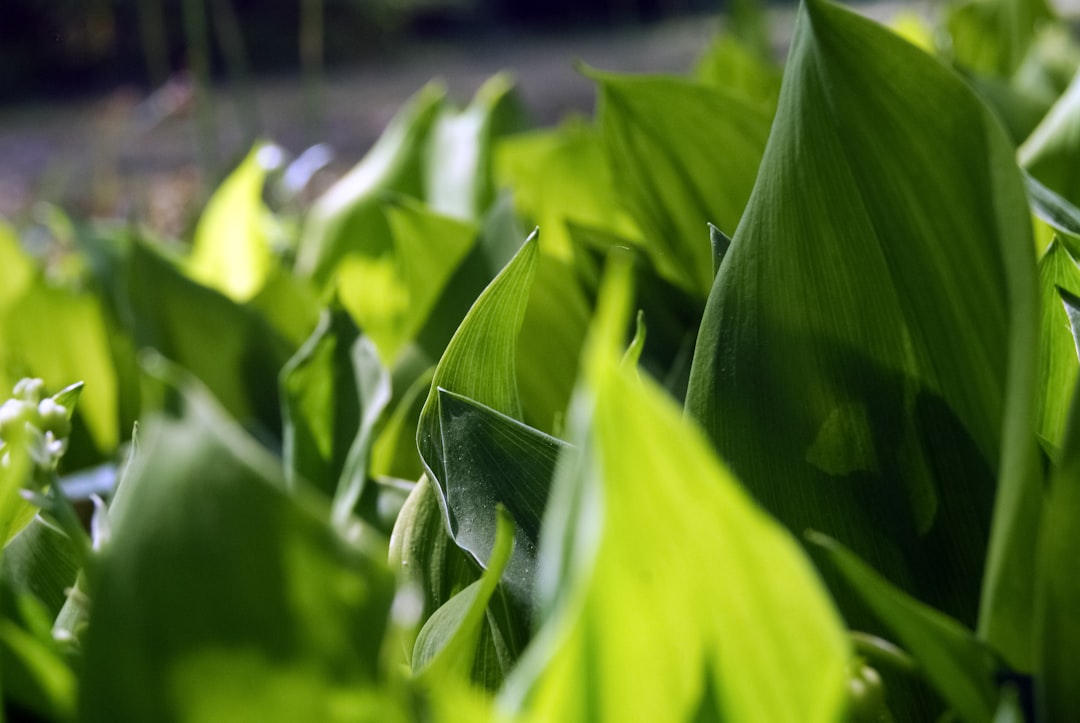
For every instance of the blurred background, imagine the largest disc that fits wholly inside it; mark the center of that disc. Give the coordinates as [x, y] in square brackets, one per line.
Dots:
[137, 107]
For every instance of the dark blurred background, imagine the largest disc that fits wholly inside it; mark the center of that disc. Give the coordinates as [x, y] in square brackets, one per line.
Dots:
[56, 47]
[137, 108]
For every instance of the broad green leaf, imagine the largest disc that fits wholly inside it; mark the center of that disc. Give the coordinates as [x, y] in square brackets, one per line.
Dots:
[61, 335]
[458, 174]
[320, 411]
[495, 460]
[993, 36]
[1052, 152]
[425, 557]
[952, 660]
[1058, 366]
[663, 589]
[550, 342]
[731, 65]
[231, 249]
[347, 218]
[221, 597]
[479, 363]
[289, 304]
[392, 295]
[232, 349]
[673, 314]
[430, 565]
[561, 175]
[866, 360]
[448, 643]
[682, 155]
[41, 561]
[1057, 634]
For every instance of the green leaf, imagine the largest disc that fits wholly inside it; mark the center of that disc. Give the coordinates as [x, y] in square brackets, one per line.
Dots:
[561, 175]
[447, 644]
[1057, 634]
[953, 661]
[347, 218]
[185, 321]
[220, 597]
[1052, 152]
[458, 174]
[16, 269]
[1061, 215]
[993, 36]
[231, 249]
[479, 363]
[35, 673]
[682, 154]
[61, 335]
[392, 295]
[663, 589]
[41, 561]
[289, 304]
[334, 390]
[1058, 365]
[730, 64]
[495, 460]
[549, 345]
[866, 360]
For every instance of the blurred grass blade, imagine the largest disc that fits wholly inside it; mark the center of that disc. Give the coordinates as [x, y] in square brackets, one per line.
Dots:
[952, 660]
[663, 589]
[346, 219]
[231, 249]
[866, 362]
[1057, 594]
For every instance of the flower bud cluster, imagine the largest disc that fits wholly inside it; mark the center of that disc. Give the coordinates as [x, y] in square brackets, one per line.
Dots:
[43, 424]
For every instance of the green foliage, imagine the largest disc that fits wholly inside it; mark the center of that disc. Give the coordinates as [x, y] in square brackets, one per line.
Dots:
[397, 460]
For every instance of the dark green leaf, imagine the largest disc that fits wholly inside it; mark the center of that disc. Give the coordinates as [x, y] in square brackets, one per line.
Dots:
[953, 661]
[186, 322]
[866, 361]
[682, 154]
[1058, 364]
[493, 459]
[1057, 635]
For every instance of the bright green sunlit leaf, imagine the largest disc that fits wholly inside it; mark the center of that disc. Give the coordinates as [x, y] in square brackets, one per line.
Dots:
[1058, 365]
[231, 249]
[664, 590]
